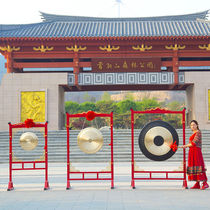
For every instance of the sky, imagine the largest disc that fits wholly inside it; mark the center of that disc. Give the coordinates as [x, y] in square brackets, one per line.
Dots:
[26, 11]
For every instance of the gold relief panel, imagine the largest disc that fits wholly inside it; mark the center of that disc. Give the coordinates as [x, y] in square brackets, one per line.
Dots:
[33, 106]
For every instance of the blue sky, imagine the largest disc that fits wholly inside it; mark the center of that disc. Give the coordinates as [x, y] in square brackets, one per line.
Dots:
[25, 11]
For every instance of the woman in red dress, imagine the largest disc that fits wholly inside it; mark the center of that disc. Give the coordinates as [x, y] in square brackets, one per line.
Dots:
[196, 168]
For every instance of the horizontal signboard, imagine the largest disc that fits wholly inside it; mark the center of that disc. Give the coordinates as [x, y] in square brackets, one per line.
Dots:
[126, 65]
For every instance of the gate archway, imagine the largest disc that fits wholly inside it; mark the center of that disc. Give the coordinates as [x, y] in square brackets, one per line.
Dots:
[66, 53]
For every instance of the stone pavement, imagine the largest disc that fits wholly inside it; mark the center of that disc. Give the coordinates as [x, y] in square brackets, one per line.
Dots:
[97, 195]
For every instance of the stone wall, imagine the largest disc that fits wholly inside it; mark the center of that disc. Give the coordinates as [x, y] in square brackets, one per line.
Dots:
[10, 101]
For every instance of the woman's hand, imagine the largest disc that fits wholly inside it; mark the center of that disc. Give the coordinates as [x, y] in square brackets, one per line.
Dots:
[184, 146]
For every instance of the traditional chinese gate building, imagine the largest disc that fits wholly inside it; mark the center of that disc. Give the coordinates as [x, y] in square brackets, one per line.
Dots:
[70, 53]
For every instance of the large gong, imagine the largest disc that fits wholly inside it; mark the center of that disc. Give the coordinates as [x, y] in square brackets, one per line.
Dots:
[155, 140]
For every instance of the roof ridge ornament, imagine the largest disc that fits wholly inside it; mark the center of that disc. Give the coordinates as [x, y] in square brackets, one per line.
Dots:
[109, 48]
[75, 48]
[205, 46]
[42, 48]
[8, 48]
[185, 17]
[175, 47]
[142, 48]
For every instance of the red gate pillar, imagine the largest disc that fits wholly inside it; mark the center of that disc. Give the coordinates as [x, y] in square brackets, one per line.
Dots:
[176, 67]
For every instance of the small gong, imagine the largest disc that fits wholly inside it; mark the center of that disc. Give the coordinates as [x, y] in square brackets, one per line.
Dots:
[28, 141]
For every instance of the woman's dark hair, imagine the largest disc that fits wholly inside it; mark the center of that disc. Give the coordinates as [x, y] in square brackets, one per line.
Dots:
[195, 123]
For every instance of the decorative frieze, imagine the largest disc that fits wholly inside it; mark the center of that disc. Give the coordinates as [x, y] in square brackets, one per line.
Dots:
[142, 47]
[43, 49]
[109, 48]
[75, 48]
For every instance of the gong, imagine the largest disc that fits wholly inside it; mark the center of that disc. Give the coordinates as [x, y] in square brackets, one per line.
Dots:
[155, 140]
[28, 141]
[90, 140]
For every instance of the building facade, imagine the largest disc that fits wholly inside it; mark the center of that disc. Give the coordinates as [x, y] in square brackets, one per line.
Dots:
[3, 70]
[71, 53]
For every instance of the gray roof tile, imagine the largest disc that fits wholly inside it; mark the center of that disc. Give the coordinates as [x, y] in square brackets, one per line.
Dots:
[106, 27]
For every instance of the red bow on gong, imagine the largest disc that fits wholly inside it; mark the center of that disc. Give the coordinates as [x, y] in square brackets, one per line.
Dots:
[174, 146]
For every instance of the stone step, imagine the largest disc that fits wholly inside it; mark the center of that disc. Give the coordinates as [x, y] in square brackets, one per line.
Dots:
[122, 147]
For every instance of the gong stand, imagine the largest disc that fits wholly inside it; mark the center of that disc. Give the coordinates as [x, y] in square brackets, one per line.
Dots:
[15, 165]
[150, 173]
[90, 115]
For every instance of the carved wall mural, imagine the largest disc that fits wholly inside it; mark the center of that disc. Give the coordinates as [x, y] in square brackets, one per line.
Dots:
[33, 106]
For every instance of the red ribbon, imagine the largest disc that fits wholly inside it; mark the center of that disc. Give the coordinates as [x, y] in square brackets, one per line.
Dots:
[174, 146]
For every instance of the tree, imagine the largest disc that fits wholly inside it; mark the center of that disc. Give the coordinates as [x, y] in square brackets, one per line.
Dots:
[86, 106]
[175, 106]
[93, 99]
[129, 96]
[174, 120]
[126, 105]
[104, 106]
[71, 107]
[147, 103]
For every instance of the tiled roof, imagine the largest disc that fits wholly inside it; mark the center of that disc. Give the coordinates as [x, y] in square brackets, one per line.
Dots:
[54, 26]
[194, 16]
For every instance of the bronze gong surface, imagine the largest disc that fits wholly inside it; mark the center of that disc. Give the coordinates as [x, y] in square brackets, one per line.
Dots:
[90, 140]
[155, 140]
[28, 141]
[156, 149]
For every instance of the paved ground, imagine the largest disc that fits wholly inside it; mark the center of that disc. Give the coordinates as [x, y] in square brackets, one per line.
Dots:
[29, 193]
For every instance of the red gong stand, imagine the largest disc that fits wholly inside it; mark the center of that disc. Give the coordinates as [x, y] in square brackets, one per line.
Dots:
[90, 115]
[22, 165]
[150, 173]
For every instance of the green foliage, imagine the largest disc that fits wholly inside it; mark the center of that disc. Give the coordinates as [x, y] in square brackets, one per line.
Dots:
[121, 112]
[174, 120]
[147, 103]
[126, 105]
[86, 106]
[175, 105]
[104, 106]
[71, 107]
[129, 96]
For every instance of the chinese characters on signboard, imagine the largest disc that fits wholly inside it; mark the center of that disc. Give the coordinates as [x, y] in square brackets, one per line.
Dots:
[126, 65]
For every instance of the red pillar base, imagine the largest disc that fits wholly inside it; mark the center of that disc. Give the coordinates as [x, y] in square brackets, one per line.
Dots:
[68, 185]
[112, 184]
[46, 185]
[133, 184]
[185, 184]
[10, 186]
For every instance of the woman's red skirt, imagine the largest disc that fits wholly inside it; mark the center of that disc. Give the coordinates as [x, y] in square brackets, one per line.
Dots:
[196, 169]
